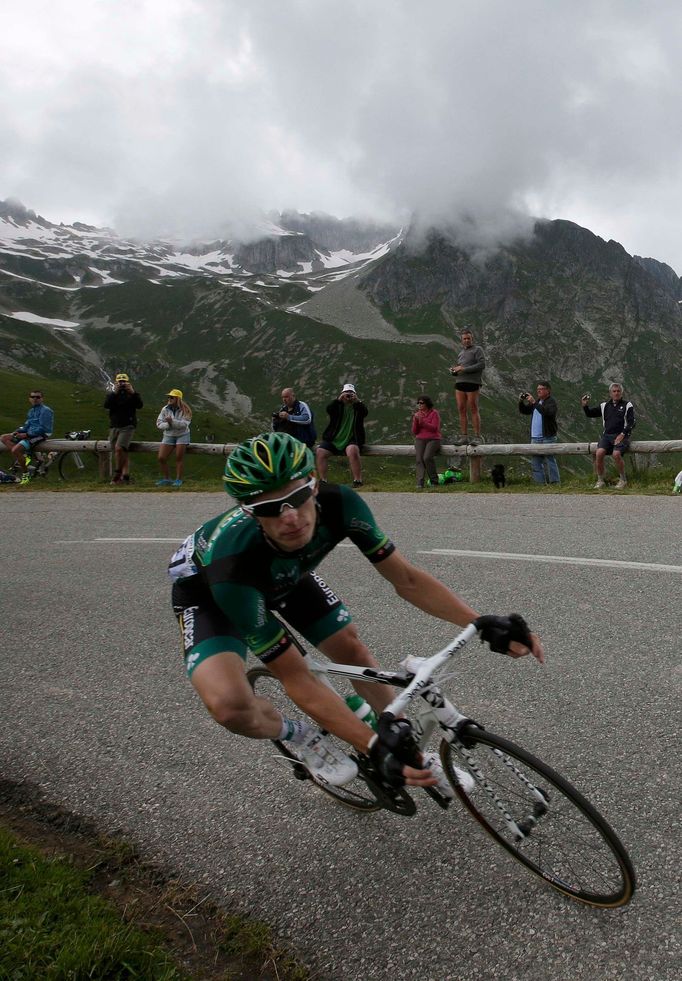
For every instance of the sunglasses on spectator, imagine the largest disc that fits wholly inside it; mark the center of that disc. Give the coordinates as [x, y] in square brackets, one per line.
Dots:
[35, 396]
[273, 509]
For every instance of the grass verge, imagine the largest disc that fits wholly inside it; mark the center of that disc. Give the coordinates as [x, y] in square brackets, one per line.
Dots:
[380, 474]
[75, 904]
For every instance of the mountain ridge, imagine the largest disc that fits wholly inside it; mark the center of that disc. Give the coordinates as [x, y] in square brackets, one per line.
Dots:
[320, 301]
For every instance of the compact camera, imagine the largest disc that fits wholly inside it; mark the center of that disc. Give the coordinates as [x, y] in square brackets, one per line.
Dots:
[523, 396]
[587, 397]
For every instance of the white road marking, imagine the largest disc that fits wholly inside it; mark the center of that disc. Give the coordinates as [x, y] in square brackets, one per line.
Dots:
[558, 559]
[92, 541]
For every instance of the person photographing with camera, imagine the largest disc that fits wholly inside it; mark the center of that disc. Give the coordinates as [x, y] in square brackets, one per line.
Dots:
[618, 418]
[543, 429]
[344, 434]
[122, 405]
[295, 417]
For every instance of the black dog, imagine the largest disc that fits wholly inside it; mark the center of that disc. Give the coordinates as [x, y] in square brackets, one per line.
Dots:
[497, 473]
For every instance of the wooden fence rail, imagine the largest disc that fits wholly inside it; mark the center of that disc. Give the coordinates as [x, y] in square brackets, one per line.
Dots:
[474, 453]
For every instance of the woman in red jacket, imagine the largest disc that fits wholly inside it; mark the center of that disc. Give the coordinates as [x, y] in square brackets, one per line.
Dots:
[427, 437]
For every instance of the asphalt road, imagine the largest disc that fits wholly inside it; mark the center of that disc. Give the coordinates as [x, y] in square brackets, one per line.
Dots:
[94, 709]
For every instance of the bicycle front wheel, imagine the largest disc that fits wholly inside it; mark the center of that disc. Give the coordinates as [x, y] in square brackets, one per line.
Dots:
[79, 466]
[540, 819]
[356, 794]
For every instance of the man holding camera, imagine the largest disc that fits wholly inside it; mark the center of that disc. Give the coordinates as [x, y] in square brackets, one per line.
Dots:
[294, 417]
[344, 434]
[122, 405]
[618, 417]
[543, 429]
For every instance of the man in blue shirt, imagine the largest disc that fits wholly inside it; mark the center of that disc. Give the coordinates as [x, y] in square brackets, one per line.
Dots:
[295, 417]
[38, 426]
[543, 429]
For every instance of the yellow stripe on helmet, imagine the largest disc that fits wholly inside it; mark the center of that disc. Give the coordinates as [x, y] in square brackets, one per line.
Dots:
[255, 448]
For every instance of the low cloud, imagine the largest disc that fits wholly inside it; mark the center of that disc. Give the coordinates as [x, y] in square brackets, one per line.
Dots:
[179, 118]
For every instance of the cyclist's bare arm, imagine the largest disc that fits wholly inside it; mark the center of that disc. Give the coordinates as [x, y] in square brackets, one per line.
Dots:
[323, 705]
[428, 594]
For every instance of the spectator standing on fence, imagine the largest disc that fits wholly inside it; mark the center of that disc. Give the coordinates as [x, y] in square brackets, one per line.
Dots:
[344, 434]
[295, 417]
[122, 405]
[174, 421]
[468, 373]
[427, 437]
[543, 429]
[38, 426]
[618, 418]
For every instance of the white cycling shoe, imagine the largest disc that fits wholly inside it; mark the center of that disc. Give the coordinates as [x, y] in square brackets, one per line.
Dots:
[325, 761]
[444, 787]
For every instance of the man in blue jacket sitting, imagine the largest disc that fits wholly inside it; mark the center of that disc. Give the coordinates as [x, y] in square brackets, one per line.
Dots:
[38, 426]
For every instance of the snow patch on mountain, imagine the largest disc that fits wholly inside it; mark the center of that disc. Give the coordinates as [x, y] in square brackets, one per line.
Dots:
[32, 318]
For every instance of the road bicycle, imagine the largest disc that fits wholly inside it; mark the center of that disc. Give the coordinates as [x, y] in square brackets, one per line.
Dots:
[72, 465]
[531, 811]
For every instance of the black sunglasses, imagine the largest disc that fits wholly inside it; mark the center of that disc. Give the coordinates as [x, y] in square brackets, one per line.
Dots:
[273, 509]
[35, 396]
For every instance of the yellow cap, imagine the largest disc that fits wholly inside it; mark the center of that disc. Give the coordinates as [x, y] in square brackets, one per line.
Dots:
[175, 393]
[122, 377]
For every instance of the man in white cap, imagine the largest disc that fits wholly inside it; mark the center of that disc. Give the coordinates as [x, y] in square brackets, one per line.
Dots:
[344, 434]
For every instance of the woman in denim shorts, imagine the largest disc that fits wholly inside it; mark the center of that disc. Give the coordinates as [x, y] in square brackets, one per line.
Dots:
[174, 421]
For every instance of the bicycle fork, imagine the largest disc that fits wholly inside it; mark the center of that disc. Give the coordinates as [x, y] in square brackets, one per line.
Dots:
[451, 721]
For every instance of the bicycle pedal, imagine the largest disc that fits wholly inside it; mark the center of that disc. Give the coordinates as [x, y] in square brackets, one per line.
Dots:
[300, 771]
[442, 801]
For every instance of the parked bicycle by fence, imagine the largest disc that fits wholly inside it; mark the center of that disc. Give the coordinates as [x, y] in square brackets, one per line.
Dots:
[531, 811]
[72, 465]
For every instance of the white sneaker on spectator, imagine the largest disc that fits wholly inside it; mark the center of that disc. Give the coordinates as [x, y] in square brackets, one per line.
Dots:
[325, 761]
[600, 483]
[622, 484]
[444, 787]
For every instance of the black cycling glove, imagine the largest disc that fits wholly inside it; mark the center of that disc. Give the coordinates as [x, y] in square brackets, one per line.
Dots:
[500, 632]
[393, 747]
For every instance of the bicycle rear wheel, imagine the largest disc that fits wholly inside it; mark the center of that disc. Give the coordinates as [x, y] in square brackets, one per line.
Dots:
[356, 794]
[540, 819]
[79, 465]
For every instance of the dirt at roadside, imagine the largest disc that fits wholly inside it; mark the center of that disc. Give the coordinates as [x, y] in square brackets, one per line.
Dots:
[206, 941]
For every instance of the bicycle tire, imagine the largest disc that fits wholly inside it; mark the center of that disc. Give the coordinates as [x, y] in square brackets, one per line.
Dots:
[356, 795]
[79, 465]
[571, 847]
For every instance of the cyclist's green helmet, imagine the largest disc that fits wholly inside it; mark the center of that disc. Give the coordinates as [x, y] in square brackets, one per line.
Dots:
[265, 463]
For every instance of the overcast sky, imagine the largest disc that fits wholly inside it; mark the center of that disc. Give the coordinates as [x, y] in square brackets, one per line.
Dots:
[160, 116]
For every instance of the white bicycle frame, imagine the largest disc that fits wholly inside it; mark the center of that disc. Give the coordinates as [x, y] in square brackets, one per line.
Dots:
[434, 710]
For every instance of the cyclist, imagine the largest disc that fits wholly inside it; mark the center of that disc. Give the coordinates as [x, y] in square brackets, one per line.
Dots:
[38, 426]
[259, 557]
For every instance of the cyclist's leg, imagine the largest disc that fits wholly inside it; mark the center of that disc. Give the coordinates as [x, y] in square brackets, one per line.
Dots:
[19, 453]
[215, 658]
[345, 647]
[318, 700]
[316, 611]
[220, 682]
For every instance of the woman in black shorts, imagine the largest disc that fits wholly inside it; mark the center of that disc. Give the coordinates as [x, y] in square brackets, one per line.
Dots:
[469, 374]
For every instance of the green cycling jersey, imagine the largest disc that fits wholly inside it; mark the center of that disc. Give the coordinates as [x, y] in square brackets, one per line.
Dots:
[247, 575]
